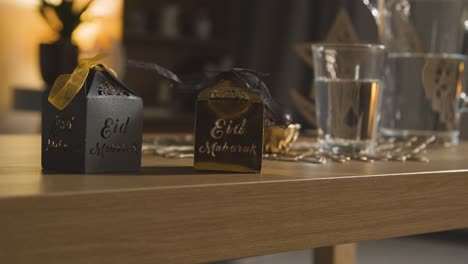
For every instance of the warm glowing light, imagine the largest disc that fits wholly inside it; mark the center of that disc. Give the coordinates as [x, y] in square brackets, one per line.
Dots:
[373, 115]
[24, 3]
[461, 73]
[86, 35]
[19, 56]
[105, 8]
[101, 32]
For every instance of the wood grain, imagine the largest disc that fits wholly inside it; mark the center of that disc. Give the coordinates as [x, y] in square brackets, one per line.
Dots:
[339, 254]
[171, 214]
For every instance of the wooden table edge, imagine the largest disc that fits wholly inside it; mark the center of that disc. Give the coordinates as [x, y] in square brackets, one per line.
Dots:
[209, 222]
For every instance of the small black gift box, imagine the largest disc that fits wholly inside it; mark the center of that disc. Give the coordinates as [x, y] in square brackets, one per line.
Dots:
[98, 130]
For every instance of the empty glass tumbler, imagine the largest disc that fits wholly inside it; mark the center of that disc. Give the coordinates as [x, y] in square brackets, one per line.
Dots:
[348, 86]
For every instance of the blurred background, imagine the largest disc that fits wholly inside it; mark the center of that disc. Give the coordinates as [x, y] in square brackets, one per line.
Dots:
[187, 37]
[24, 31]
[191, 37]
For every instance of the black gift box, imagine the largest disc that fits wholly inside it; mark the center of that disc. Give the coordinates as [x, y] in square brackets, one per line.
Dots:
[99, 131]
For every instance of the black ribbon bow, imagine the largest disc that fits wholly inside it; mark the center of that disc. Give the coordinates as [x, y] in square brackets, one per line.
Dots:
[275, 114]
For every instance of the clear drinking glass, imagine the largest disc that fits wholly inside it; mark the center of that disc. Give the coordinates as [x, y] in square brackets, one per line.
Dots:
[348, 86]
[424, 92]
[421, 26]
[424, 96]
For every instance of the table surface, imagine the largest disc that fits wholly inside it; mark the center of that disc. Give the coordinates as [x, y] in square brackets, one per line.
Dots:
[169, 213]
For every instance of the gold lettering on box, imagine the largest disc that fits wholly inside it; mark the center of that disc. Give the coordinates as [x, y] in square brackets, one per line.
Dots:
[60, 128]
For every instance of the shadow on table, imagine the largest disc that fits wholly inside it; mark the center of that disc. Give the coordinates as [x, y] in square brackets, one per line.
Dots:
[145, 171]
[168, 170]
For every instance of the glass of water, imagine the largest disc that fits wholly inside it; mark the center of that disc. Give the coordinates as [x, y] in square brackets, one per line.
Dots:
[426, 42]
[424, 96]
[348, 86]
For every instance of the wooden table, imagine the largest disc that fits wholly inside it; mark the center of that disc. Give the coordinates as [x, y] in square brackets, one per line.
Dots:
[169, 213]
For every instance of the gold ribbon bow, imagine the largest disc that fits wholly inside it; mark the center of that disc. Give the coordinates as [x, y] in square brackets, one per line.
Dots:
[67, 86]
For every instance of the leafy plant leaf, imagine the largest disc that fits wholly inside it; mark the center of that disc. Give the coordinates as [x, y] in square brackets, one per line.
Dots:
[68, 18]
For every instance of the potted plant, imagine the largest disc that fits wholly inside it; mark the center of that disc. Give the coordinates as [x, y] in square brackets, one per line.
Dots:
[61, 56]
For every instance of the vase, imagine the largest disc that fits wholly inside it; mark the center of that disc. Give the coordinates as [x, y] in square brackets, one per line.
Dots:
[60, 57]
